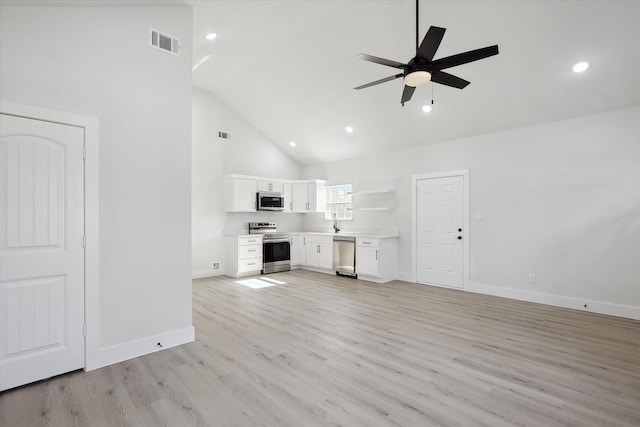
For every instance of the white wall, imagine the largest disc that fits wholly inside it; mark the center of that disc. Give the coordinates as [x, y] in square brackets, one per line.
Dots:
[95, 61]
[248, 152]
[560, 200]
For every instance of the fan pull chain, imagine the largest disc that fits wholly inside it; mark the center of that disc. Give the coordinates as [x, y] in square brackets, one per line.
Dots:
[431, 93]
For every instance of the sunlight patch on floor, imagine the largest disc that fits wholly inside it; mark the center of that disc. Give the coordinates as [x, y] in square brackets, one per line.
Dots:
[264, 282]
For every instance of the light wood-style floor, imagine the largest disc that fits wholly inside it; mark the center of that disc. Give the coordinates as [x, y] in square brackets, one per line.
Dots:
[325, 350]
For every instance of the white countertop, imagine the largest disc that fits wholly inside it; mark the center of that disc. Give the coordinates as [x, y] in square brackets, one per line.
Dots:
[356, 234]
[361, 234]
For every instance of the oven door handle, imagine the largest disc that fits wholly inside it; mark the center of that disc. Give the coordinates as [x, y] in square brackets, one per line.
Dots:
[264, 242]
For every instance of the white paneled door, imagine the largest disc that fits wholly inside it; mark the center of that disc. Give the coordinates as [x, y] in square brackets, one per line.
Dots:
[41, 250]
[439, 234]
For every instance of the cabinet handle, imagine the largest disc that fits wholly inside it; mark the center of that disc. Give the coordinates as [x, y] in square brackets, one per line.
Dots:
[318, 248]
[304, 241]
[251, 263]
[376, 255]
[251, 250]
[366, 243]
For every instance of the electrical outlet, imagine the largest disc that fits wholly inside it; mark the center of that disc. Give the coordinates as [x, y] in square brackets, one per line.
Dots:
[215, 266]
[532, 278]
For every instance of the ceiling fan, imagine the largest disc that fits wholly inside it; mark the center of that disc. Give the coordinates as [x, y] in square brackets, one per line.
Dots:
[422, 68]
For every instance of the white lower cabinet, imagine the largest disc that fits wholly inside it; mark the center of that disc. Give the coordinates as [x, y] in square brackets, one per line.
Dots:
[295, 249]
[318, 251]
[376, 259]
[244, 255]
[367, 263]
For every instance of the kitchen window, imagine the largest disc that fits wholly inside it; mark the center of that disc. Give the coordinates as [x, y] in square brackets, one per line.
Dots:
[338, 202]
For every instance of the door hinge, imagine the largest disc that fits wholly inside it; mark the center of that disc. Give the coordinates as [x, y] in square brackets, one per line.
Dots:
[84, 241]
[84, 329]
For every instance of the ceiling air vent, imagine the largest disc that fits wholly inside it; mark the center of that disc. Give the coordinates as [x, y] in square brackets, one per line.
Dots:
[224, 135]
[164, 42]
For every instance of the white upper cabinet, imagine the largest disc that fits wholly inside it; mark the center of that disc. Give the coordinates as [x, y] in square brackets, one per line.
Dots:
[287, 189]
[270, 185]
[240, 194]
[308, 197]
[299, 196]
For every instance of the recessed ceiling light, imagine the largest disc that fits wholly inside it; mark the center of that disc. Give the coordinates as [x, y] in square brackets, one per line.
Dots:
[349, 129]
[427, 108]
[211, 36]
[580, 67]
[293, 144]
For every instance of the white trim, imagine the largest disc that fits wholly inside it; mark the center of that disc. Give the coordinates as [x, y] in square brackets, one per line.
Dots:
[200, 274]
[601, 307]
[91, 126]
[467, 230]
[128, 350]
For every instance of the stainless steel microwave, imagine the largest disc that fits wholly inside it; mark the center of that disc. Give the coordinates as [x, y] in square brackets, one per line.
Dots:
[270, 201]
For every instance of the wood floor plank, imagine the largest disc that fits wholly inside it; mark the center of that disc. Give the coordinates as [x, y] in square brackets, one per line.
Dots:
[322, 350]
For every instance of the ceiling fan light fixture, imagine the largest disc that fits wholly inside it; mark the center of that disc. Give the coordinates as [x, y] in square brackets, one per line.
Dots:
[417, 78]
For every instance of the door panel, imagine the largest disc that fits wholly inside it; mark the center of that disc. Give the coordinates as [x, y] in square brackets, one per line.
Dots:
[440, 213]
[41, 250]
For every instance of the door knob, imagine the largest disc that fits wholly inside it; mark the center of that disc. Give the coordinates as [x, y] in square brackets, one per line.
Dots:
[459, 230]
[459, 237]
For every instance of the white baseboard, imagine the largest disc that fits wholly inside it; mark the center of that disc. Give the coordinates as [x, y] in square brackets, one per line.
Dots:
[199, 274]
[125, 351]
[611, 309]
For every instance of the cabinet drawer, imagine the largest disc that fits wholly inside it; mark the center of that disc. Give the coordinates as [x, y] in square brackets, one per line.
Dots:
[249, 240]
[250, 251]
[249, 264]
[368, 243]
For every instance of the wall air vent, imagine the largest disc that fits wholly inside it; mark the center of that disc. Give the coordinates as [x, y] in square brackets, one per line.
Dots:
[164, 42]
[224, 135]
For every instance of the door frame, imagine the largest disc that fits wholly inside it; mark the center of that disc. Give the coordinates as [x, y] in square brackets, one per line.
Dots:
[91, 129]
[464, 173]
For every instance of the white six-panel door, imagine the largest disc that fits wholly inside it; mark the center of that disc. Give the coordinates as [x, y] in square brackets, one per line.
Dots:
[41, 250]
[439, 222]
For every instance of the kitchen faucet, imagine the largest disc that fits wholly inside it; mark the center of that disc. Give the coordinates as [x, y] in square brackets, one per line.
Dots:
[335, 223]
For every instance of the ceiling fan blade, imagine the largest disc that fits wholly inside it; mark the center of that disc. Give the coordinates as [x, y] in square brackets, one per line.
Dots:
[449, 80]
[387, 62]
[407, 93]
[431, 42]
[377, 82]
[463, 58]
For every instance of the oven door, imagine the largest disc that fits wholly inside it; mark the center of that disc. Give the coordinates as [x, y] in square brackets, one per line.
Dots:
[276, 256]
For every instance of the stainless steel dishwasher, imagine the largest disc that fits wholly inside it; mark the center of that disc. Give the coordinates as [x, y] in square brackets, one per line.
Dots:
[344, 255]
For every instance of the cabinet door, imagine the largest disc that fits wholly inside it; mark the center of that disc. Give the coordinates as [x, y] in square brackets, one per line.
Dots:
[287, 191]
[311, 197]
[302, 249]
[244, 195]
[312, 251]
[270, 186]
[295, 243]
[299, 197]
[325, 255]
[367, 261]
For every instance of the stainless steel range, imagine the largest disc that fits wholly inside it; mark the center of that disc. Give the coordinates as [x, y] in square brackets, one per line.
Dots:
[276, 247]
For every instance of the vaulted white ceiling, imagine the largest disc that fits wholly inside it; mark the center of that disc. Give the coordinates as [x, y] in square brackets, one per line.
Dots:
[288, 67]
